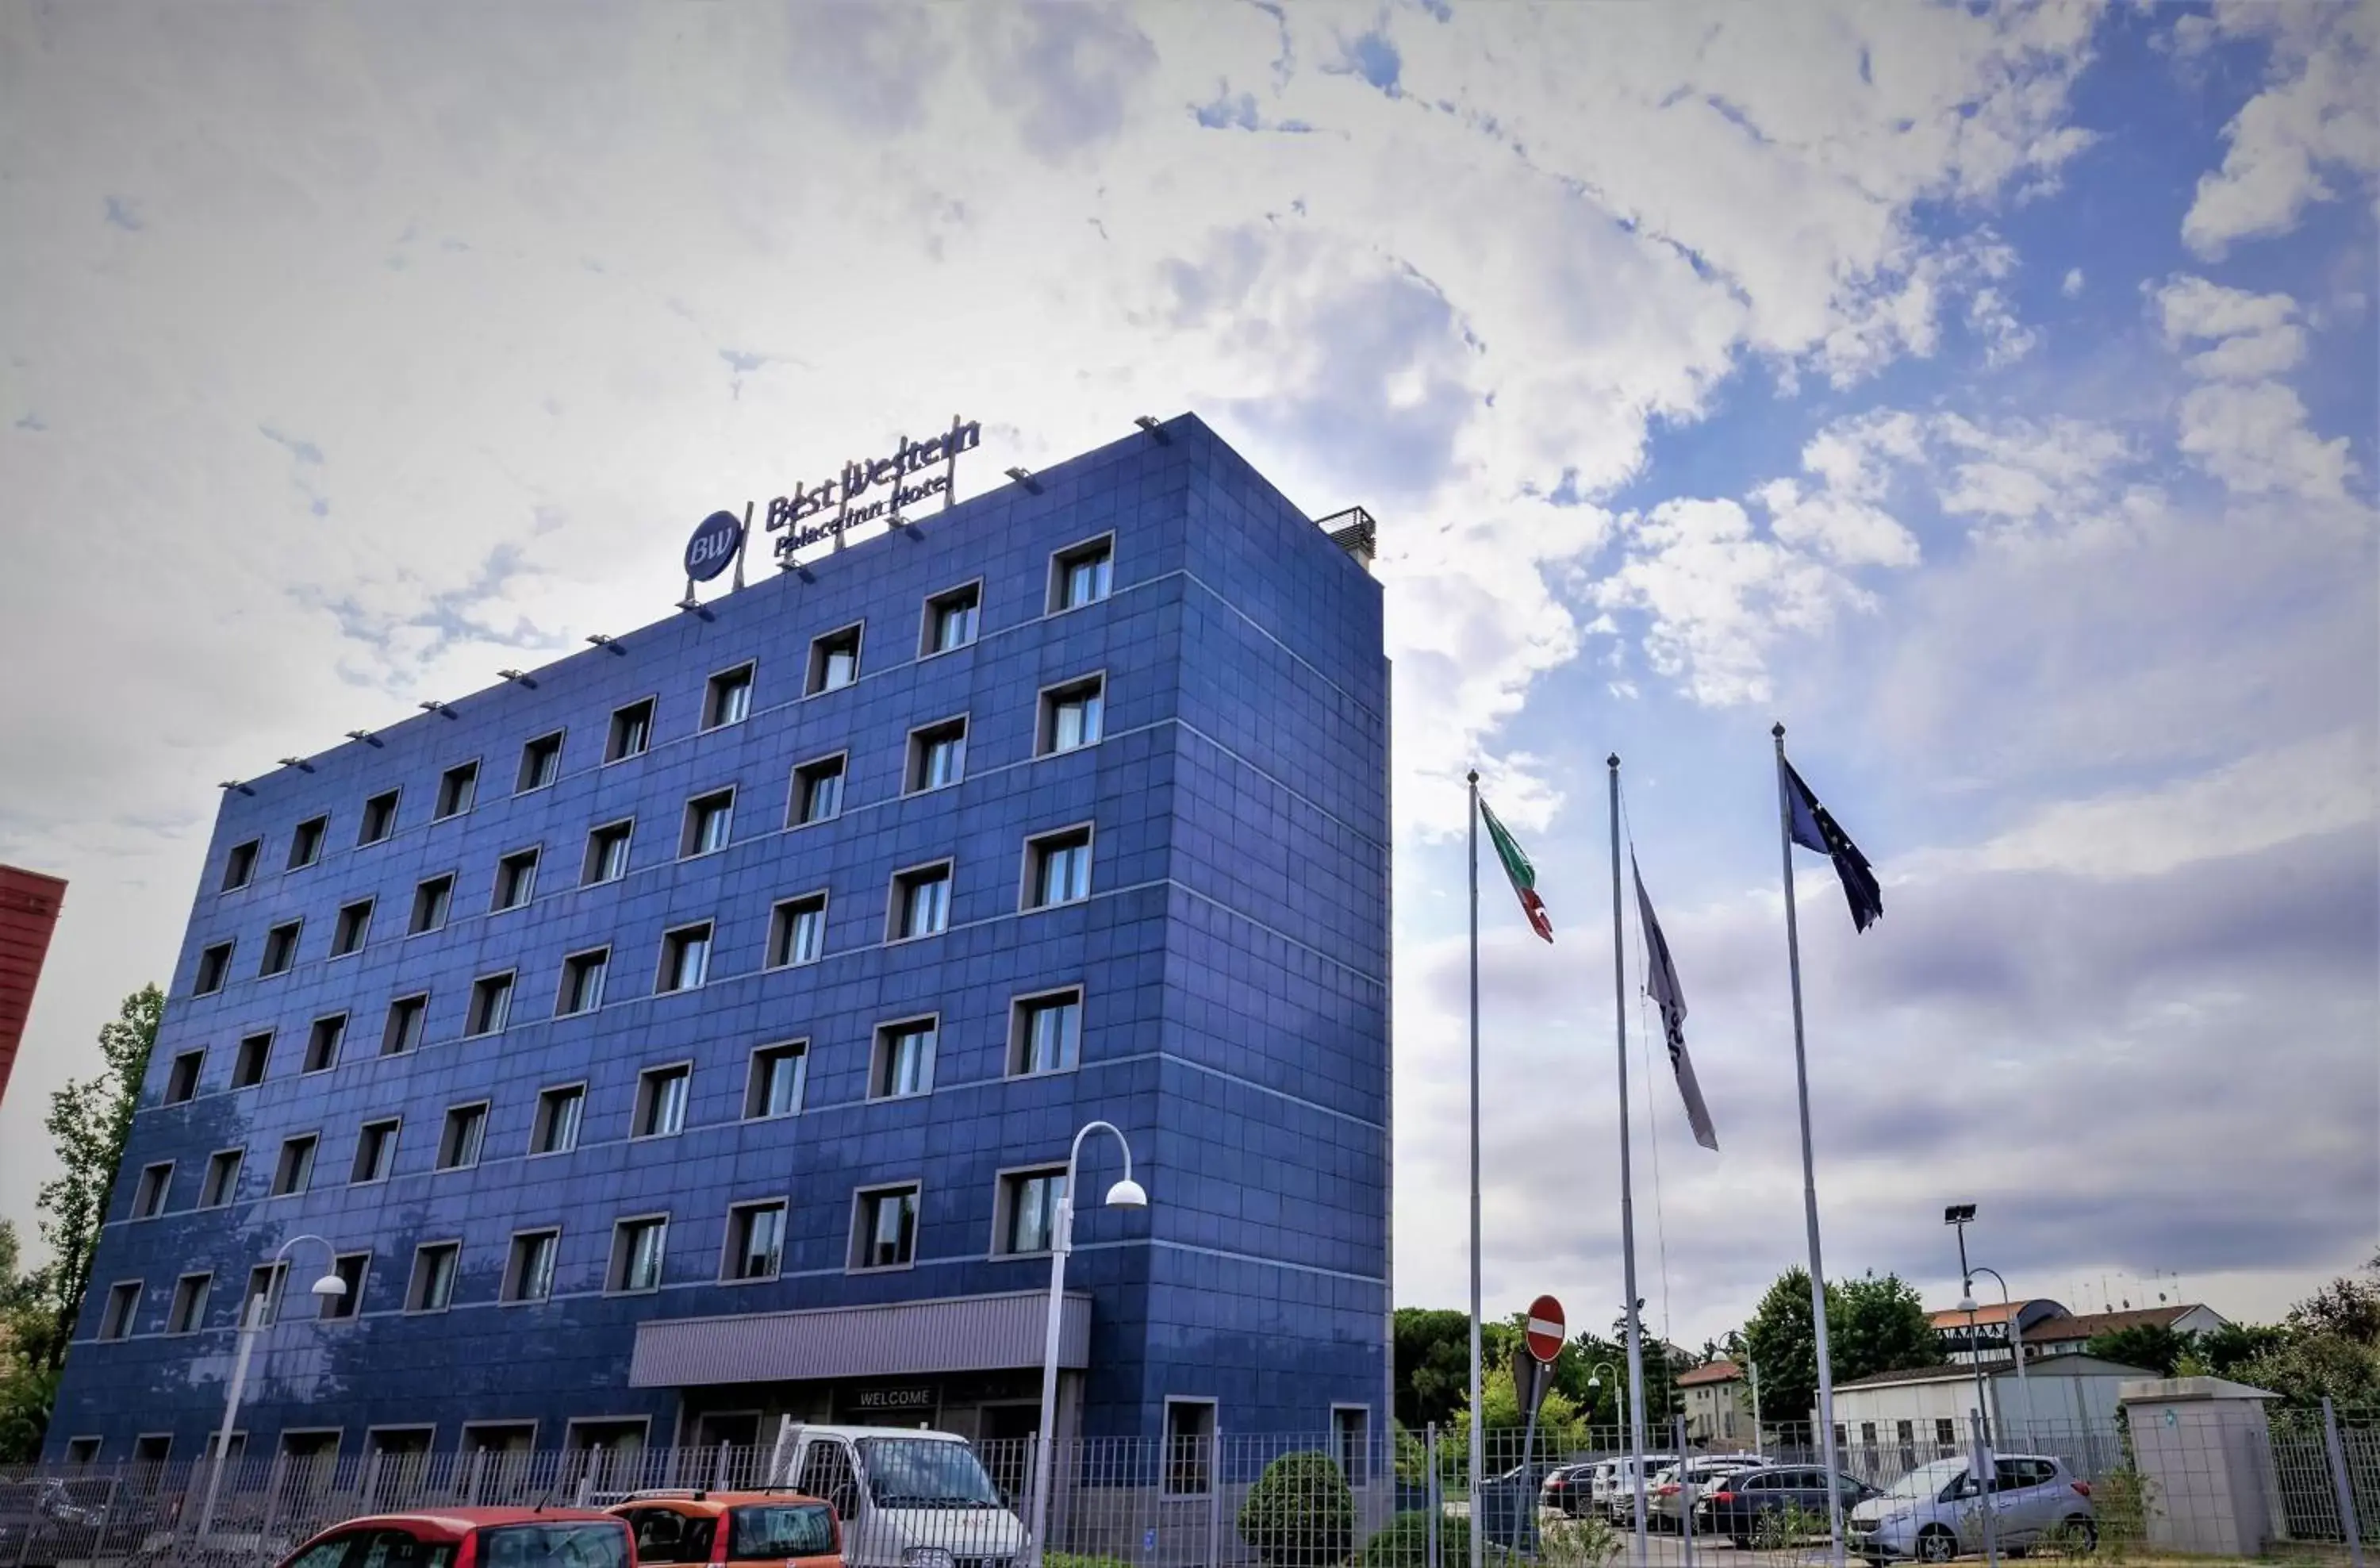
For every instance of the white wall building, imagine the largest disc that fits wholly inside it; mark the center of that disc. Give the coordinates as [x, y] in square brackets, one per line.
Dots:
[1891, 1422]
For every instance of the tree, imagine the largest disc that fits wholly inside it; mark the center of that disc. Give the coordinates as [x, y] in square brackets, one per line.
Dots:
[2329, 1345]
[29, 1384]
[1873, 1325]
[1433, 1356]
[1300, 1513]
[2151, 1346]
[88, 1120]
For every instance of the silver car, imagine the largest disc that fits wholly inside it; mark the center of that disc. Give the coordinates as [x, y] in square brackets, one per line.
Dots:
[1670, 1494]
[1615, 1485]
[1936, 1511]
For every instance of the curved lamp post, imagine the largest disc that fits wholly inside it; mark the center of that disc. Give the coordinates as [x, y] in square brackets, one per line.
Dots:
[2016, 1347]
[1618, 1389]
[1126, 1193]
[330, 1287]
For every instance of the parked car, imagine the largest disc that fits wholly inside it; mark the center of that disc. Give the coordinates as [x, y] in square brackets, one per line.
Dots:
[472, 1537]
[1568, 1490]
[1736, 1504]
[1936, 1511]
[1675, 1489]
[903, 1498]
[1616, 1490]
[744, 1529]
[50, 1519]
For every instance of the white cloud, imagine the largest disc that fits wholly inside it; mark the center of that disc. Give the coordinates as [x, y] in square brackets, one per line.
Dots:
[2255, 438]
[2317, 117]
[2255, 335]
[2072, 285]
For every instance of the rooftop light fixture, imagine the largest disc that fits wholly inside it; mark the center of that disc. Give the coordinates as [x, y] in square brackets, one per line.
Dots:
[235, 783]
[1025, 477]
[518, 678]
[298, 762]
[434, 706]
[365, 736]
[1149, 423]
[606, 644]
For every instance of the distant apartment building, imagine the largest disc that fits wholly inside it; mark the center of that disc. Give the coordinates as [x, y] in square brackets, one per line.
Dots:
[30, 903]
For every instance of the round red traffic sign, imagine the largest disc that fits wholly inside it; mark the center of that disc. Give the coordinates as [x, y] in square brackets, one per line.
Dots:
[1547, 1330]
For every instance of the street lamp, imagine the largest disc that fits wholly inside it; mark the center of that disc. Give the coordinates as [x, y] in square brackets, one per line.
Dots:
[1960, 1216]
[1752, 1375]
[1126, 1193]
[2016, 1347]
[330, 1287]
[1619, 1390]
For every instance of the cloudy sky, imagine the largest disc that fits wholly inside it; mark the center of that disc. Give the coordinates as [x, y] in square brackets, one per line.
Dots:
[1990, 395]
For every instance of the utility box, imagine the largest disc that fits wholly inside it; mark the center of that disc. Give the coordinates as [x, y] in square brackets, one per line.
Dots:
[2202, 1449]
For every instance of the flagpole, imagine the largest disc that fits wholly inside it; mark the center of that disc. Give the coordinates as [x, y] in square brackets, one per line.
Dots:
[1479, 1541]
[1809, 1169]
[1627, 1192]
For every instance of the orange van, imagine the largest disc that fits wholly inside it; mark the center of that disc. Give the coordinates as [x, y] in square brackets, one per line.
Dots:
[739, 1529]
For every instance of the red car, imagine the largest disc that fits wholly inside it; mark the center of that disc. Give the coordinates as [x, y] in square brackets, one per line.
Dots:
[472, 1537]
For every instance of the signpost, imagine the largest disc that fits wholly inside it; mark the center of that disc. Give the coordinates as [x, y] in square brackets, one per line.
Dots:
[1547, 1330]
[1543, 1335]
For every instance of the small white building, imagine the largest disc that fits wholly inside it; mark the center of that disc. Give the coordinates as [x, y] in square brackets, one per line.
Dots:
[1718, 1405]
[1888, 1423]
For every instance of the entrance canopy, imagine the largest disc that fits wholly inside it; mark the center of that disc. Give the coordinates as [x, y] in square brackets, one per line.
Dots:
[968, 1333]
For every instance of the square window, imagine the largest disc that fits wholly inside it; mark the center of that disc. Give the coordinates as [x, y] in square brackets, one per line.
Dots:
[1189, 1447]
[708, 819]
[1073, 716]
[149, 1197]
[215, 968]
[1058, 868]
[349, 1267]
[306, 842]
[834, 661]
[937, 754]
[555, 1131]
[921, 901]
[458, 1142]
[905, 1059]
[261, 1303]
[636, 1249]
[182, 1080]
[797, 930]
[756, 1240]
[780, 1073]
[239, 866]
[432, 899]
[818, 792]
[353, 926]
[492, 1004]
[458, 787]
[432, 1288]
[631, 732]
[83, 1451]
[248, 1063]
[122, 1303]
[661, 1100]
[1081, 575]
[951, 620]
[375, 1151]
[885, 1232]
[222, 1181]
[189, 1307]
[607, 855]
[279, 949]
[380, 819]
[582, 982]
[407, 1016]
[516, 880]
[293, 1171]
[540, 763]
[323, 1042]
[528, 1272]
[728, 698]
[685, 958]
[1046, 1033]
[1028, 1210]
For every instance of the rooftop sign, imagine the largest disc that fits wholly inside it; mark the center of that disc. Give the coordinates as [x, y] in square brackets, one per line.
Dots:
[840, 503]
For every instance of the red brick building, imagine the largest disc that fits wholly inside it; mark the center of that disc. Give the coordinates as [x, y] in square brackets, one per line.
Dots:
[28, 912]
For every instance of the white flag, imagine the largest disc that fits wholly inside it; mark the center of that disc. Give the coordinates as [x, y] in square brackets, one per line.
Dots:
[1661, 984]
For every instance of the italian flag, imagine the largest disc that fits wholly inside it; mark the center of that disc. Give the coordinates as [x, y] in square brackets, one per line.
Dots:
[1524, 875]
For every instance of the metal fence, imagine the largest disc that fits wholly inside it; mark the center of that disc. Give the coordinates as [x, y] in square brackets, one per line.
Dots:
[2187, 1482]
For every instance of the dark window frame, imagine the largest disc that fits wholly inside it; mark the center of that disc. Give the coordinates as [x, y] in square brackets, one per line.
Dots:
[535, 752]
[310, 835]
[806, 777]
[352, 929]
[1062, 564]
[823, 648]
[905, 881]
[623, 726]
[922, 739]
[379, 810]
[784, 916]
[458, 792]
[929, 622]
[722, 685]
[864, 1226]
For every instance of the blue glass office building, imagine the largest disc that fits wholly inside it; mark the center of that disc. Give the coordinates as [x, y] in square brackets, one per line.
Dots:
[682, 1035]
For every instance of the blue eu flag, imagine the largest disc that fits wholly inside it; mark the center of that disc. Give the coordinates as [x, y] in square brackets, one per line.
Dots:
[1812, 827]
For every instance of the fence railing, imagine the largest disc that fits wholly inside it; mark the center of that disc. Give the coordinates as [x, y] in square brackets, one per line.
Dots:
[1342, 1499]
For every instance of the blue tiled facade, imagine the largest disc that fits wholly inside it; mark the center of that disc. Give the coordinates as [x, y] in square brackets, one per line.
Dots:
[1232, 957]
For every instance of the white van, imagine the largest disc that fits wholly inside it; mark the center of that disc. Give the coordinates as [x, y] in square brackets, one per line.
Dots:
[908, 1499]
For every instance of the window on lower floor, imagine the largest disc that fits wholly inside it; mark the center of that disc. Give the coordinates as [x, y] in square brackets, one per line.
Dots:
[540, 763]
[797, 932]
[777, 1080]
[661, 1100]
[885, 1232]
[182, 1078]
[260, 1305]
[349, 1269]
[123, 1304]
[458, 787]
[936, 756]
[818, 792]
[306, 843]
[323, 1043]
[83, 1451]
[188, 1311]
[1073, 716]
[293, 1171]
[1081, 575]
[834, 661]
[1351, 1430]
[582, 982]
[492, 1004]
[431, 898]
[709, 820]
[607, 855]
[407, 1016]
[756, 1240]
[249, 1063]
[555, 1130]
[222, 1182]
[528, 1272]
[921, 901]
[631, 732]
[728, 698]
[379, 818]
[1189, 1447]
[354, 924]
[215, 968]
[459, 1140]
[1946, 1433]
[432, 1288]
[280, 950]
[1058, 868]
[516, 880]
[685, 958]
[1028, 1209]
[951, 620]
[905, 1059]
[375, 1151]
[1046, 1033]
[239, 866]
[637, 1247]
[149, 1197]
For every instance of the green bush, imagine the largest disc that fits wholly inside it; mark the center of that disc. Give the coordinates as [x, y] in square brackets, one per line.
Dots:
[1579, 1543]
[1300, 1513]
[1403, 1541]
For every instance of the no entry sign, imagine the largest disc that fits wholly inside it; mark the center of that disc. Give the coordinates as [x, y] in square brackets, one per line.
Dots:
[1547, 1330]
